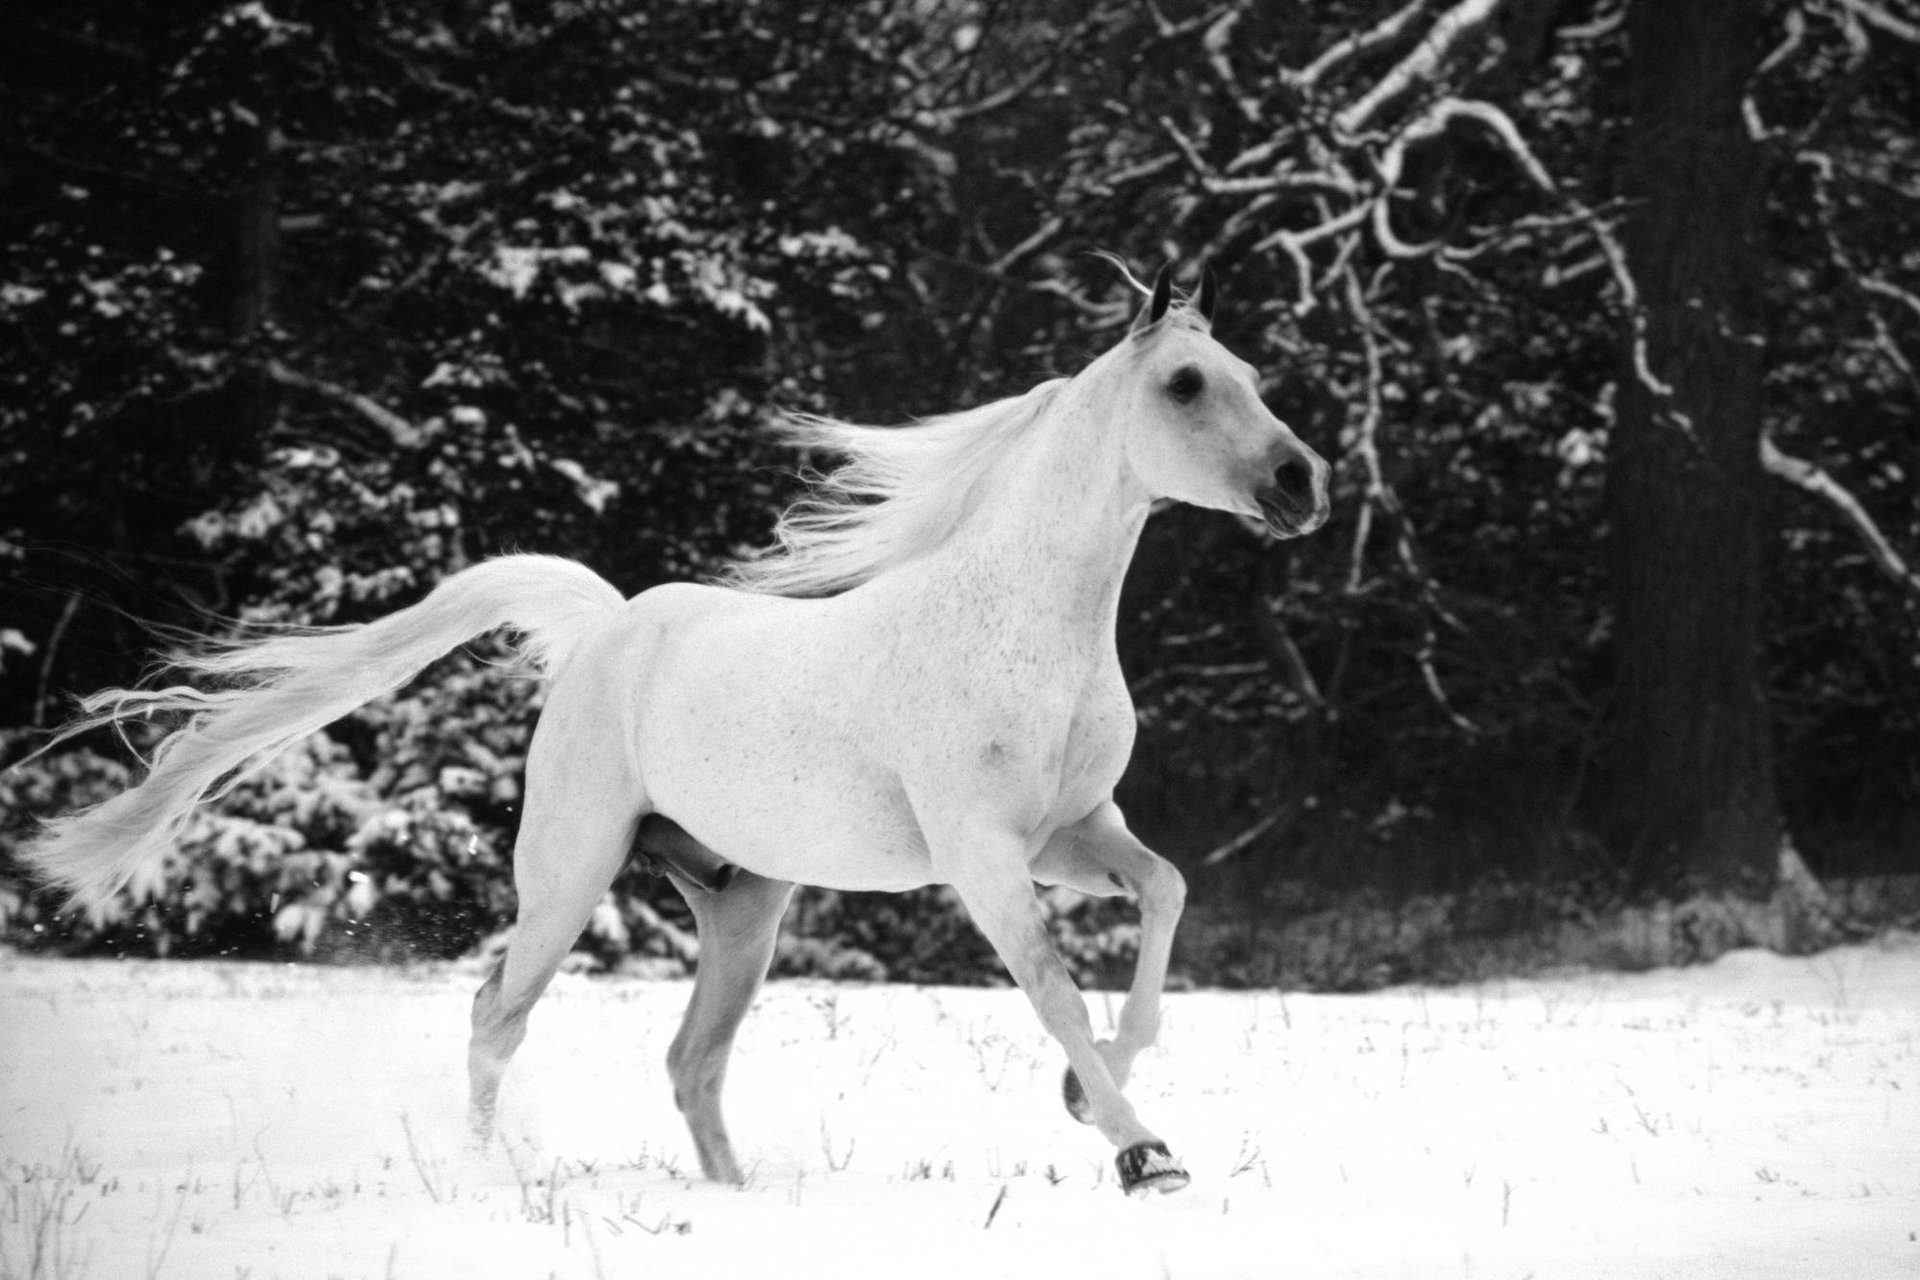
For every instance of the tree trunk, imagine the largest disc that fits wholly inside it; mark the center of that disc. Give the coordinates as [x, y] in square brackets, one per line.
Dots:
[256, 261]
[1693, 795]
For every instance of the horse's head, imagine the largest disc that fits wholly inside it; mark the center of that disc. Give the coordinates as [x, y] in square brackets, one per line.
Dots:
[1197, 430]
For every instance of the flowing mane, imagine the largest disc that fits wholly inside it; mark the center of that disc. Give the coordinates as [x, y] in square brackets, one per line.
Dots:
[898, 493]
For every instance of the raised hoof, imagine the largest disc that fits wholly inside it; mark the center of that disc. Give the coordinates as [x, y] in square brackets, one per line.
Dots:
[1148, 1166]
[1076, 1098]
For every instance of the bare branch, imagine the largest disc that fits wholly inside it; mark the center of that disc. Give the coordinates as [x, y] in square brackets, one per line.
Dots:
[1379, 494]
[1289, 244]
[1874, 284]
[1384, 233]
[942, 119]
[1597, 29]
[1188, 151]
[1293, 664]
[1167, 29]
[1616, 257]
[1294, 245]
[1796, 24]
[1823, 168]
[1445, 111]
[1039, 240]
[1815, 480]
[97, 46]
[1332, 184]
[1135, 173]
[1846, 84]
[1251, 213]
[1365, 439]
[1431, 675]
[1431, 123]
[1223, 852]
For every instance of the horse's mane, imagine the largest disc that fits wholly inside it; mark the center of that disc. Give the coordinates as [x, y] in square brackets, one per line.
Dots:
[898, 493]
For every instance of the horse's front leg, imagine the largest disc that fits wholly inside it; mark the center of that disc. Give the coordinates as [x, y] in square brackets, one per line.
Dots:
[987, 865]
[1100, 857]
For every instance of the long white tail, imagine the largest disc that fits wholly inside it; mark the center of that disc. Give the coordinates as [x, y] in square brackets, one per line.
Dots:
[287, 687]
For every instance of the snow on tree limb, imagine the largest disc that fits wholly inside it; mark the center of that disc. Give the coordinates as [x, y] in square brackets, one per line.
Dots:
[1358, 45]
[1434, 120]
[1420, 67]
[1216, 41]
[1815, 480]
[402, 432]
[1431, 123]
[1877, 15]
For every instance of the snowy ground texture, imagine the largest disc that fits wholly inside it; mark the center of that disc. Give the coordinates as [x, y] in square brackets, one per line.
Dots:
[1758, 1117]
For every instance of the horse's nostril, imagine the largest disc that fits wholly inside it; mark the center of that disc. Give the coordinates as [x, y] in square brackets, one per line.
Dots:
[1294, 480]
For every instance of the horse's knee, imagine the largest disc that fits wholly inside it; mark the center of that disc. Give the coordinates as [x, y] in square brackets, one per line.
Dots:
[1161, 886]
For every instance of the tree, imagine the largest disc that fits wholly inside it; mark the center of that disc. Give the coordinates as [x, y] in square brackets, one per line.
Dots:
[1692, 768]
[1417, 211]
[307, 305]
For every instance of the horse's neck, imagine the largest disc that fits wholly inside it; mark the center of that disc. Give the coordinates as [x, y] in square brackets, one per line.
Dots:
[1049, 546]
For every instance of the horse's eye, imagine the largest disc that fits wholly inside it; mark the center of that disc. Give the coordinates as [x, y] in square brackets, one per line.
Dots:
[1186, 383]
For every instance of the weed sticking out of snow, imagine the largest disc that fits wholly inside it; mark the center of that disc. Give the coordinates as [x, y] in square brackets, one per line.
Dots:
[1756, 1117]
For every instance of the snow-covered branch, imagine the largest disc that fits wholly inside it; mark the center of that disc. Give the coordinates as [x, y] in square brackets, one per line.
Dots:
[1815, 480]
[1422, 66]
[402, 432]
[1218, 36]
[1878, 15]
[1359, 44]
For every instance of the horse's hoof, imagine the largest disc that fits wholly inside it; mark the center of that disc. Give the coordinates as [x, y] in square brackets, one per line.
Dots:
[1148, 1166]
[1076, 1098]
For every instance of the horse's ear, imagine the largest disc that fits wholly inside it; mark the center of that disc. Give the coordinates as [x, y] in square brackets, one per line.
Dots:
[1209, 295]
[1156, 307]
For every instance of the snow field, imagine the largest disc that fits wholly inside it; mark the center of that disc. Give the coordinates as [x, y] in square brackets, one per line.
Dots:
[1754, 1118]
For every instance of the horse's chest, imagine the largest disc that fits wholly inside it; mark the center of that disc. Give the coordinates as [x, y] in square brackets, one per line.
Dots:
[1083, 748]
[1100, 734]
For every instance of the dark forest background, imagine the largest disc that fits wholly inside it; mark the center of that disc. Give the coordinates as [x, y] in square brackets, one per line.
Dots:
[1607, 312]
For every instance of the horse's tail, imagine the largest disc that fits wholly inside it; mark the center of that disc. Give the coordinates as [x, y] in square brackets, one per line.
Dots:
[287, 686]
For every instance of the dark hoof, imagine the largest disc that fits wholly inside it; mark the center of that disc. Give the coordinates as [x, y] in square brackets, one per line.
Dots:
[1076, 1098]
[1147, 1166]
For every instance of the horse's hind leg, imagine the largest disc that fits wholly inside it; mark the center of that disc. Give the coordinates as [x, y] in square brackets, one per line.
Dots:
[561, 870]
[574, 836]
[738, 927]
[1100, 857]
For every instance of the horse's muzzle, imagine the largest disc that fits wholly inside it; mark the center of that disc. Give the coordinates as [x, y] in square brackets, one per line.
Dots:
[1294, 501]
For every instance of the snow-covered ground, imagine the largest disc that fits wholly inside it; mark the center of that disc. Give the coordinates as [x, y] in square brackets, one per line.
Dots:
[1758, 1117]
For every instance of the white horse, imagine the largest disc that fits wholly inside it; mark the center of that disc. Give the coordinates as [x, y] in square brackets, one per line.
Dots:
[918, 686]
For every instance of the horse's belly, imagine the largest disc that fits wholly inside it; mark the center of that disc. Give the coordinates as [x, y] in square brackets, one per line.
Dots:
[743, 746]
[813, 822]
